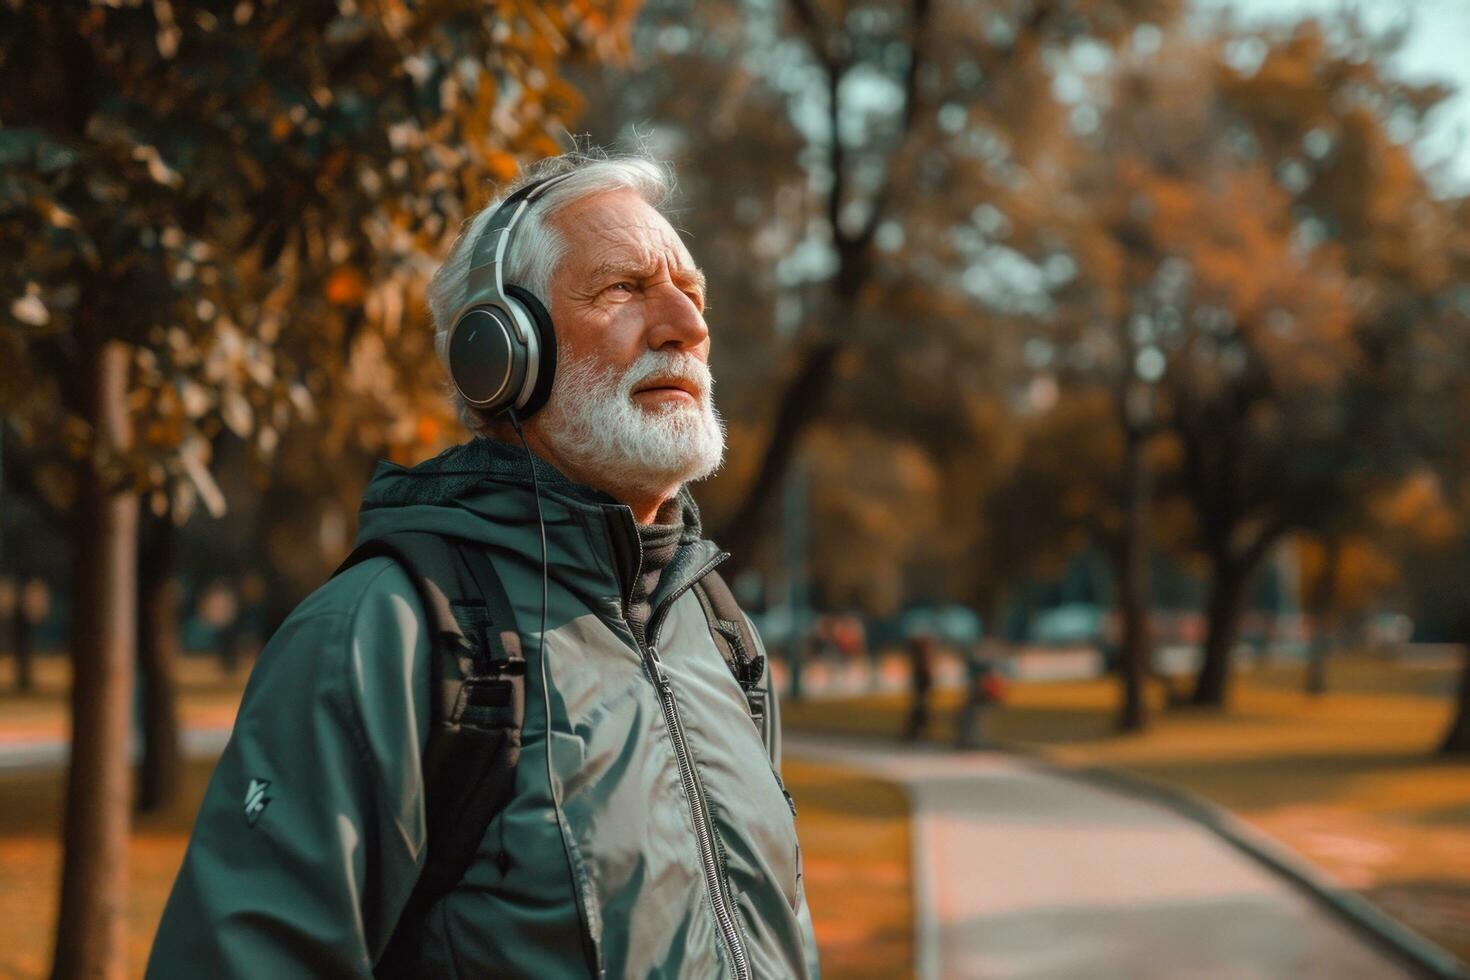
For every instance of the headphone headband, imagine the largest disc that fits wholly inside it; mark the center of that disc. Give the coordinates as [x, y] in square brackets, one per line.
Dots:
[486, 277]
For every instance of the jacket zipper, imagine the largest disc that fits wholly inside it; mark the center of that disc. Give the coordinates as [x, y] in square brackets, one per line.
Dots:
[703, 827]
[693, 789]
[656, 617]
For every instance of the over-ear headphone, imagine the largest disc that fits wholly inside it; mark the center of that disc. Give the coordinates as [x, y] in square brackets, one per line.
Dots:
[502, 357]
[502, 349]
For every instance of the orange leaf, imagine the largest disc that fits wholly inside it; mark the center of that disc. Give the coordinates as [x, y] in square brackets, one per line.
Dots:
[345, 287]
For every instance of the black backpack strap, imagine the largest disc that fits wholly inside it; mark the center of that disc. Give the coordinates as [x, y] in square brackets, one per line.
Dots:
[477, 709]
[737, 644]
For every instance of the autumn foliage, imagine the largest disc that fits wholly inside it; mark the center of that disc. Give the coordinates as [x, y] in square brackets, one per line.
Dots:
[998, 292]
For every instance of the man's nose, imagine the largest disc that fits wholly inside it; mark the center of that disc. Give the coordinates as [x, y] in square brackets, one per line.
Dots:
[675, 320]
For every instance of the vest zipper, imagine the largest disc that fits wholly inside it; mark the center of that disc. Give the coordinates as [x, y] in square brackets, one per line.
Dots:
[703, 826]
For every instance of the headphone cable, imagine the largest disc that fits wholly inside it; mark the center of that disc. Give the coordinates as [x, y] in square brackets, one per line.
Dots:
[515, 423]
[541, 650]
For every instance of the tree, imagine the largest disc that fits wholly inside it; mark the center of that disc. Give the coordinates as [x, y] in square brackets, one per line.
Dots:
[1433, 507]
[1427, 519]
[877, 127]
[1343, 571]
[1164, 272]
[162, 764]
[201, 216]
[1319, 116]
[1278, 335]
[1456, 462]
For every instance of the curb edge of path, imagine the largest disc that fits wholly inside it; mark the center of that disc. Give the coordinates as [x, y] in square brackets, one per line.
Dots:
[1421, 955]
[925, 923]
[1424, 956]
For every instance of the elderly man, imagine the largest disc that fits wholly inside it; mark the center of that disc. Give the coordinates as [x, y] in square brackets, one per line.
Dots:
[523, 732]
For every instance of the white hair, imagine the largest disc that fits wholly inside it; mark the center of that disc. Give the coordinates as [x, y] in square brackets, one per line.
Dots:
[537, 248]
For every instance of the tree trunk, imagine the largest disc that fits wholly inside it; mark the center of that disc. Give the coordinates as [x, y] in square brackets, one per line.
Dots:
[1324, 620]
[158, 654]
[23, 636]
[1457, 739]
[801, 401]
[1133, 587]
[91, 930]
[1222, 625]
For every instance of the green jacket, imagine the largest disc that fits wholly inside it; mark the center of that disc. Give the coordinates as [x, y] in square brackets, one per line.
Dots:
[311, 834]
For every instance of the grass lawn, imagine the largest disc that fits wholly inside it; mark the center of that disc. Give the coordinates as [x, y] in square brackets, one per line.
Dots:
[854, 834]
[1348, 780]
[30, 868]
[855, 848]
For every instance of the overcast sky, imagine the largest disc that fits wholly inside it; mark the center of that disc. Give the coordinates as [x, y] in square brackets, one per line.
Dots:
[1437, 49]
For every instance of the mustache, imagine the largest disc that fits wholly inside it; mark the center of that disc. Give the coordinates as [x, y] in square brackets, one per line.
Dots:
[668, 366]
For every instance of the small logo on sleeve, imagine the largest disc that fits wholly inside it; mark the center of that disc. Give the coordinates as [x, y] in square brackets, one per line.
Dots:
[256, 800]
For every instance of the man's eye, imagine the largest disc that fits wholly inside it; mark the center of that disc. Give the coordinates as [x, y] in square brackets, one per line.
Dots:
[626, 287]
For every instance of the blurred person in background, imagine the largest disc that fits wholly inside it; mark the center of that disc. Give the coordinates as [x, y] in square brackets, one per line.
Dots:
[643, 828]
[920, 648]
[984, 687]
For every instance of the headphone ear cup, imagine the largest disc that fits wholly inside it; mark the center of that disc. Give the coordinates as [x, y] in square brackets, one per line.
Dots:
[486, 360]
[546, 361]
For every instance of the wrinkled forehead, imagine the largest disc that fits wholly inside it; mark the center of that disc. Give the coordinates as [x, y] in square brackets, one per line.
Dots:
[620, 227]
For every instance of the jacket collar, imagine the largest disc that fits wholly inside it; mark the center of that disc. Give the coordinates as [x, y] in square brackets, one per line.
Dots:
[460, 472]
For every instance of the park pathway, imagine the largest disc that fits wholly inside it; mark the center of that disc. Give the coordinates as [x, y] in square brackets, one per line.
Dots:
[29, 751]
[1021, 872]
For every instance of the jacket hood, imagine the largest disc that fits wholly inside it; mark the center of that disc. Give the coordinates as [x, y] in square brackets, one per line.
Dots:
[475, 489]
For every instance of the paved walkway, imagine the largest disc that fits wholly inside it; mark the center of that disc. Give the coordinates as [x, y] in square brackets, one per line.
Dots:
[27, 752]
[1020, 873]
[1023, 873]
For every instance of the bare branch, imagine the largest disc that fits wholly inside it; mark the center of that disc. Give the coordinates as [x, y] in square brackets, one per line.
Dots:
[816, 36]
[919, 24]
[837, 162]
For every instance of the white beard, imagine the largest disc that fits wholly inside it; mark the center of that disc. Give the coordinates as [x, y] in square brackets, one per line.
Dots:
[592, 423]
